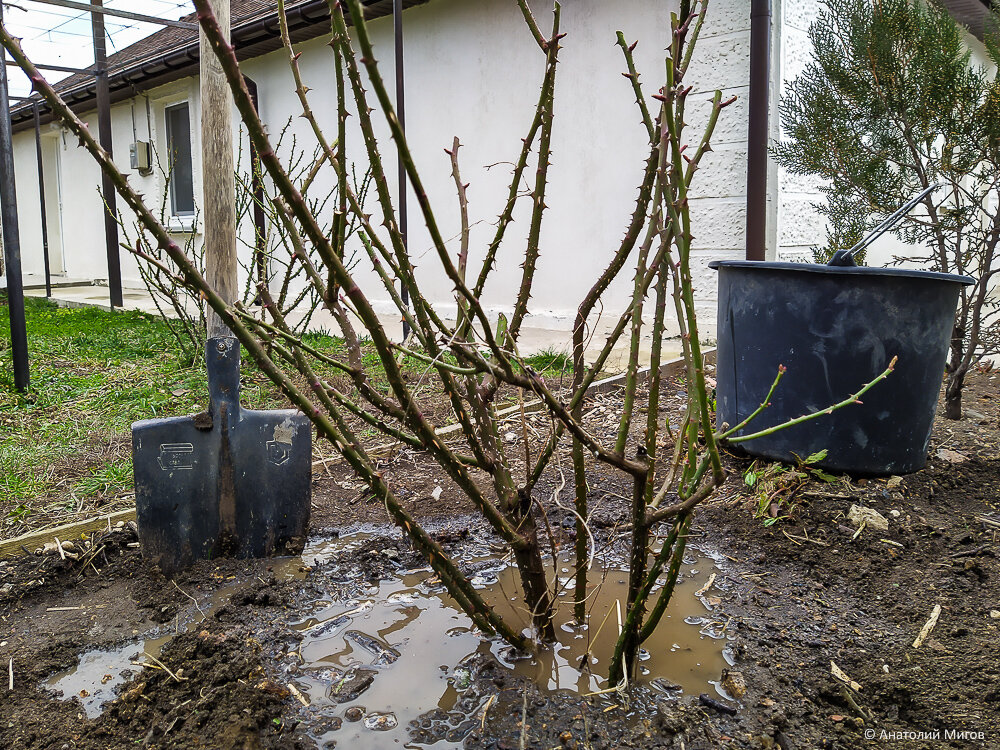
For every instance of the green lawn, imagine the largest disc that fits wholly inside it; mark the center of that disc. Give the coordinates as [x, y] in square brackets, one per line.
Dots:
[65, 446]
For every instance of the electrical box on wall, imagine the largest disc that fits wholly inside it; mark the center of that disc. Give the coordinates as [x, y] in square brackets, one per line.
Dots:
[140, 157]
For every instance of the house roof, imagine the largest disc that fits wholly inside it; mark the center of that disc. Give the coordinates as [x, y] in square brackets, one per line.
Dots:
[172, 53]
[974, 15]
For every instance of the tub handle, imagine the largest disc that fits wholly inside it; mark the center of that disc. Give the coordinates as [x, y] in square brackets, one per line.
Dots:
[846, 257]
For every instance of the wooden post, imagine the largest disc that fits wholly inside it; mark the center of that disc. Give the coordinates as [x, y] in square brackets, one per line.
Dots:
[218, 181]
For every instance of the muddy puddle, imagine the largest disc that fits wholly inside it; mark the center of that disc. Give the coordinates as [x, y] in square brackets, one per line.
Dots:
[397, 664]
[100, 672]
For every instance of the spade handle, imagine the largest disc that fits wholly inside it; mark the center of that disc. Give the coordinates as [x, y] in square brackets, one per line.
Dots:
[218, 179]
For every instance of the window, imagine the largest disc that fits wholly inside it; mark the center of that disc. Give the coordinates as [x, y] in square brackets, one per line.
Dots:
[179, 156]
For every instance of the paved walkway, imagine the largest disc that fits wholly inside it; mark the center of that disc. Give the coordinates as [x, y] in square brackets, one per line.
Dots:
[79, 292]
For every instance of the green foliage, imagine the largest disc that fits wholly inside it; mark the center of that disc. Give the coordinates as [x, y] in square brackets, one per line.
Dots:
[64, 446]
[774, 485]
[549, 361]
[892, 103]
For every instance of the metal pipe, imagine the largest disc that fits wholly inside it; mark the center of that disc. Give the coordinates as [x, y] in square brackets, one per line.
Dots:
[98, 8]
[257, 187]
[105, 139]
[757, 132]
[41, 202]
[59, 68]
[11, 238]
[397, 24]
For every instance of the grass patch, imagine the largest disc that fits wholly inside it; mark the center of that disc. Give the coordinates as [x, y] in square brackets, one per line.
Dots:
[65, 446]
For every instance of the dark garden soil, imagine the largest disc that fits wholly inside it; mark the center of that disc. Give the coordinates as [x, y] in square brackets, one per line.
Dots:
[796, 595]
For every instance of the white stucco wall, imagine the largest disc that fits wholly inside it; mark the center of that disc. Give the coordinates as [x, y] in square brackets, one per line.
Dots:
[473, 70]
[799, 226]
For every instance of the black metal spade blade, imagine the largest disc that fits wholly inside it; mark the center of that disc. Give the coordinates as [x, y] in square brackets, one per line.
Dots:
[229, 482]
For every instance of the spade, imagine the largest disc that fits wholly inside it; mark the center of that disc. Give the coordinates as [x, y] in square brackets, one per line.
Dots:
[229, 481]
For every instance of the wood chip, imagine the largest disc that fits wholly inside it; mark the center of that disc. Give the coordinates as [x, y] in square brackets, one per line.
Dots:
[842, 677]
[952, 457]
[62, 609]
[706, 587]
[298, 694]
[928, 626]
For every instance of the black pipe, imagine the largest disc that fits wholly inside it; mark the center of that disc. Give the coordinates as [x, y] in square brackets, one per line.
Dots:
[41, 202]
[104, 135]
[397, 23]
[11, 239]
[257, 187]
[757, 132]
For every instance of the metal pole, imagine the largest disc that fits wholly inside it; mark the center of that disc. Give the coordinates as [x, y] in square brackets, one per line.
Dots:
[397, 24]
[41, 200]
[11, 239]
[757, 133]
[97, 7]
[257, 188]
[104, 135]
[58, 68]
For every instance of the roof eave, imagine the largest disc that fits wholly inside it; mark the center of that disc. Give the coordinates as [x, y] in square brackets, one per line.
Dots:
[252, 39]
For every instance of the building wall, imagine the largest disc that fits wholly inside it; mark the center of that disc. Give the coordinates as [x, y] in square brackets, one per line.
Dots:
[473, 70]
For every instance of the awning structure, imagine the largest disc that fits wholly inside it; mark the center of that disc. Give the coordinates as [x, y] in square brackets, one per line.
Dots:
[172, 53]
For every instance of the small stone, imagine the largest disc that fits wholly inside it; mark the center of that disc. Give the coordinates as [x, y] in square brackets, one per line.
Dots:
[836, 718]
[348, 689]
[273, 688]
[565, 738]
[952, 457]
[995, 614]
[894, 513]
[734, 684]
[381, 722]
[510, 437]
[859, 514]
[354, 713]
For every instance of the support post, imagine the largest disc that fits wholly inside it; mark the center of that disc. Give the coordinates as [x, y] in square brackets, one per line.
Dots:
[41, 199]
[218, 182]
[104, 136]
[397, 24]
[757, 132]
[257, 188]
[11, 239]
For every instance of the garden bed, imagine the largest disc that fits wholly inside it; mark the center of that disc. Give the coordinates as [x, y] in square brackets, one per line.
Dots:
[791, 597]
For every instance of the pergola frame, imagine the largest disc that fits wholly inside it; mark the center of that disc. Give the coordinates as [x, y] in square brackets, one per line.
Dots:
[8, 200]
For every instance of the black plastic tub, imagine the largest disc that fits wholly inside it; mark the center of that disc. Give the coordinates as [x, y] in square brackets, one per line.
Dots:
[834, 328]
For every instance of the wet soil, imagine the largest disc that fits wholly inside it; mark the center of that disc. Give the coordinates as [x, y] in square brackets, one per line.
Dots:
[793, 597]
